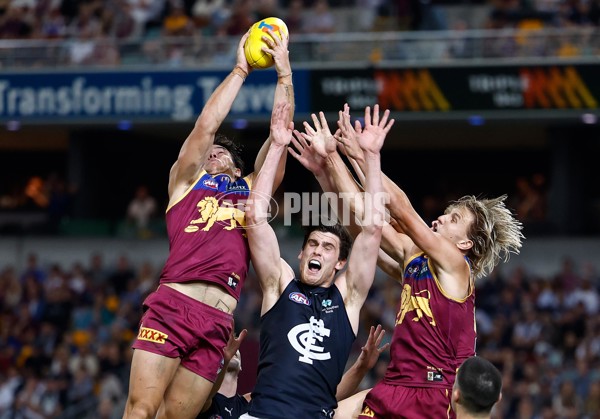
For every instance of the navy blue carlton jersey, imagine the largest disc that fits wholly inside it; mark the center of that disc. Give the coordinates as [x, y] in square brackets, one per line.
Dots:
[305, 341]
[225, 407]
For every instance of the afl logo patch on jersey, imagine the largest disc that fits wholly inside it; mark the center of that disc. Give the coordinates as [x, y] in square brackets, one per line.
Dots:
[299, 298]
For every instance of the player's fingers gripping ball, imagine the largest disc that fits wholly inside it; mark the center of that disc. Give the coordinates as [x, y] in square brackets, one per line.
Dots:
[255, 56]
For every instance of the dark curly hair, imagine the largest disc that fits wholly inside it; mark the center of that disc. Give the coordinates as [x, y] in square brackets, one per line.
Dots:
[337, 230]
[235, 149]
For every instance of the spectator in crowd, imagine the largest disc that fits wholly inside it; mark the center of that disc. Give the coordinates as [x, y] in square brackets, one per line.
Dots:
[122, 275]
[294, 17]
[28, 341]
[319, 18]
[53, 24]
[117, 21]
[208, 13]
[33, 269]
[141, 210]
[566, 403]
[145, 13]
[241, 18]
[266, 8]
[16, 23]
[177, 23]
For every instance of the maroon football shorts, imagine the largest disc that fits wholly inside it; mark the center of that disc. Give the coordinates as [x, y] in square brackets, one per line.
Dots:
[398, 402]
[175, 325]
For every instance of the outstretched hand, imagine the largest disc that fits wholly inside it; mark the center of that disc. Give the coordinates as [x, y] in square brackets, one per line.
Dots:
[369, 354]
[305, 153]
[373, 135]
[281, 131]
[320, 136]
[347, 135]
[233, 344]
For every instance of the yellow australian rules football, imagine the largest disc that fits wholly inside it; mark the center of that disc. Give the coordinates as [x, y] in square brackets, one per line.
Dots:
[253, 46]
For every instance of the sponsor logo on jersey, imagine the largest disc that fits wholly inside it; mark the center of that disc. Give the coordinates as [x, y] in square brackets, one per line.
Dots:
[418, 271]
[299, 298]
[210, 183]
[328, 307]
[152, 335]
[234, 187]
[233, 283]
[434, 376]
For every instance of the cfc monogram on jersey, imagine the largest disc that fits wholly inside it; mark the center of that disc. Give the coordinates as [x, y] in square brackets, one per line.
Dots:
[307, 340]
[311, 361]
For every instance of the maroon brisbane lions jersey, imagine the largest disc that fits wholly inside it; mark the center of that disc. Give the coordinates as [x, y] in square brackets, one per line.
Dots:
[207, 237]
[434, 333]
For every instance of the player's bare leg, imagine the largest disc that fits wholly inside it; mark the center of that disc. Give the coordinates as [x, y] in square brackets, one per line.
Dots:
[151, 374]
[185, 396]
[351, 407]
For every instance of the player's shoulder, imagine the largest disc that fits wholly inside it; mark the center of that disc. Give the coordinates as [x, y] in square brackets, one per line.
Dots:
[249, 179]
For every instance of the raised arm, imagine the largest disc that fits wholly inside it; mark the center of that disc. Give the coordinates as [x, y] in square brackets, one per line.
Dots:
[413, 232]
[311, 149]
[358, 277]
[346, 137]
[271, 270]
[195, 149]
[284, 93]
[369, 354]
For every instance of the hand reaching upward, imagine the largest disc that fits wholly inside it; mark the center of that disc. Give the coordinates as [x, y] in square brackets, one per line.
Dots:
[305, 153]
[347, 135]
[369, 354]
[320, 137]
[373, 135]
[233, 344]
[281, 132]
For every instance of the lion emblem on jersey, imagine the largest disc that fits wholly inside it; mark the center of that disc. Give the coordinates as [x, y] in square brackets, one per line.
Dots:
[211, 211]
[417, 303]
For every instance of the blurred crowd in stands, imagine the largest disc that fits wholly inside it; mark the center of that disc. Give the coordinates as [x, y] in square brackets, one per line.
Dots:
[175, 32]
[65, 335]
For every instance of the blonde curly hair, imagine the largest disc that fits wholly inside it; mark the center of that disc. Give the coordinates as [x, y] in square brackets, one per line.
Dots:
[495, 233]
